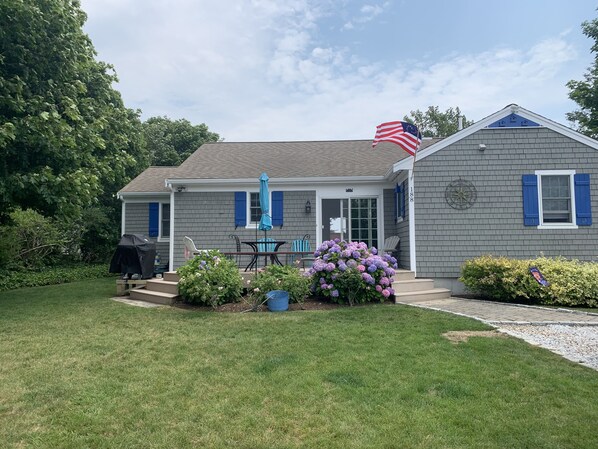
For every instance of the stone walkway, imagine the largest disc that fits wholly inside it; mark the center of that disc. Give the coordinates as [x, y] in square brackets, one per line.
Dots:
[496, 313]
[571, 334]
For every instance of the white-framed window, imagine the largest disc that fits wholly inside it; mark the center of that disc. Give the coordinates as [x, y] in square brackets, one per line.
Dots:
[164, 231]
[556, 198]
[255, 210]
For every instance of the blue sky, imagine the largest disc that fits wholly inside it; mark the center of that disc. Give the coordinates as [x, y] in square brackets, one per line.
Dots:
[263, 70]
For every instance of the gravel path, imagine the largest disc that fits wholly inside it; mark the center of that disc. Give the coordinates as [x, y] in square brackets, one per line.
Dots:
[576, 343]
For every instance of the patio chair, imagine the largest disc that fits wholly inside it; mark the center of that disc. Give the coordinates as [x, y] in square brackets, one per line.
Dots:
[236, 258]
[391, 245]
[190, 248]
[299, 245]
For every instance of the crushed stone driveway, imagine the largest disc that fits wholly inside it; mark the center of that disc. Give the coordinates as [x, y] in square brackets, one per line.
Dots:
[571, 334]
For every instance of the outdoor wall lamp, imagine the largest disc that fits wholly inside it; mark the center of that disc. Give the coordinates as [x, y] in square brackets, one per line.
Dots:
[481, 147]
[308, 207]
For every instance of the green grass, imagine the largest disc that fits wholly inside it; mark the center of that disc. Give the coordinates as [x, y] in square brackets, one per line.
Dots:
[78, 370]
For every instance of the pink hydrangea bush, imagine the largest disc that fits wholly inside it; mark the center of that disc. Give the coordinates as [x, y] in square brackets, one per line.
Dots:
[352, 272]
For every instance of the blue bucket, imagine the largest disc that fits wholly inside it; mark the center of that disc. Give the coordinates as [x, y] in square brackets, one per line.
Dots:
[278, 300]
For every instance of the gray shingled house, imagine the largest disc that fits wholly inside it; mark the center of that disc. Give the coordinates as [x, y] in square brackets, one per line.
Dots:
[514, 184]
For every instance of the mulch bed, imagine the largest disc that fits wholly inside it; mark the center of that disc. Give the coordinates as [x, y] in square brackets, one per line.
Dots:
[245, 306]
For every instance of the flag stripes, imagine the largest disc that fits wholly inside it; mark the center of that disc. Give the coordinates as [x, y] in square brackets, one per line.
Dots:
[403, 134]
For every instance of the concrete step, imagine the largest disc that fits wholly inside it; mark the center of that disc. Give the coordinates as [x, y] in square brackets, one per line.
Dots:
[403, 275]
[160, 285]
[142, 294]
[171, 276]
[423, 295]
[413, 285]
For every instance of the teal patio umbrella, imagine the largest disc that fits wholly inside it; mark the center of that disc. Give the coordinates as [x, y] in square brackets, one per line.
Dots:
[266, 220]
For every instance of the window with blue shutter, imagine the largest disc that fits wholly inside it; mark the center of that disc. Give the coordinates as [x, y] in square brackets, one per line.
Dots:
[583, 204]
[154, 219]
[531, 211]
[400, 201]
[240, 209]
[277, 208]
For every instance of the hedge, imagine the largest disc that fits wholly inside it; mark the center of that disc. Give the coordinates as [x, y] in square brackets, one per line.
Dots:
[10, 280]
[571, 282]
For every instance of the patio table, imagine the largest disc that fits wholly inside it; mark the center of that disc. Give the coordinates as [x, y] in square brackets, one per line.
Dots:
[256, 253]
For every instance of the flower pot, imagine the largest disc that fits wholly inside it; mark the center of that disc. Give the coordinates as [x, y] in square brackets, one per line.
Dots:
[278, 300]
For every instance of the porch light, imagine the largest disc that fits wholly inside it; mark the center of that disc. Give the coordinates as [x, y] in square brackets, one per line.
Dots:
[308, 207]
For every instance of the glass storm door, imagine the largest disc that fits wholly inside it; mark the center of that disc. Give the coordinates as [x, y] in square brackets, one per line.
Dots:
[354, 219]
[335, 219]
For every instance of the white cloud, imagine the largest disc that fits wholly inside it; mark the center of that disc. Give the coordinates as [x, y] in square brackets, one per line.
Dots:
[262, 70]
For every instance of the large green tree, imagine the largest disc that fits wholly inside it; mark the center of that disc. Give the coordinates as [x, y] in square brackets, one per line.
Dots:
[170, 142]
[67, 142]
[435, 123]
[585, 93]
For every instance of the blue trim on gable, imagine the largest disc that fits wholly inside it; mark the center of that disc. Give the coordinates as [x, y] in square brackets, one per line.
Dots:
[513, 121]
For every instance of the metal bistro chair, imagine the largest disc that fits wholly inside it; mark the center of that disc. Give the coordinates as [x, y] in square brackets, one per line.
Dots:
[236, 258]
[299, 245]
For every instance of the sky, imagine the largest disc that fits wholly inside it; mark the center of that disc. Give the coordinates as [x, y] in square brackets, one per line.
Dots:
[268, 70]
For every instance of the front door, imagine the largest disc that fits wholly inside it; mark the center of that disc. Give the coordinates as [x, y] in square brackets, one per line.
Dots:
[354, 219]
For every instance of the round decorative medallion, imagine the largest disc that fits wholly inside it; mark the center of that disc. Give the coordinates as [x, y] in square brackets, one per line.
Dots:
[460, 194]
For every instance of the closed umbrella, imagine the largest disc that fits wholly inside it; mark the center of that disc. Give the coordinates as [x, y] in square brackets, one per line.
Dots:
[266, 220]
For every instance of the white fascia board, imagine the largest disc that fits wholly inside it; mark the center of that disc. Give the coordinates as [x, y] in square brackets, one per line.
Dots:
[123, 195]
[277, 181]
[406, 164]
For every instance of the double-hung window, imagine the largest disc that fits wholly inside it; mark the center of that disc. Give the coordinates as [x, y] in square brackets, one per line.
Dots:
[164, 221]
[255, 211]
[557, 199]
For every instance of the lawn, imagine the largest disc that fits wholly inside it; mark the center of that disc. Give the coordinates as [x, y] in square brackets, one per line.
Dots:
[78, 370]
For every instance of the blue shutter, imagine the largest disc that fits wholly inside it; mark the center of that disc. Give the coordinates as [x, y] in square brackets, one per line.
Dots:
[403, 196]
[397, 199]
[531, 211]
[240, 209]
[154, 219]
[277, 208]
[583, 205]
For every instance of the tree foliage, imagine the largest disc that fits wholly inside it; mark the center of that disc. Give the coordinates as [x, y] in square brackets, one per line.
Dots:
[435, 123]
[170, 142]
[66, 137]
[585, 93]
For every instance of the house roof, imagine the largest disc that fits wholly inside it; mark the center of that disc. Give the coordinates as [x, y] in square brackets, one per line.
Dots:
[152, 180]
[490, 122]
[315, 159]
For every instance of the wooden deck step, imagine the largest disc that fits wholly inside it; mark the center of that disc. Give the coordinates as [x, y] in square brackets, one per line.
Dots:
[422, 295]
[171, 276]
[413, 285]
[160, 285]
[142, 294]
[403, 275]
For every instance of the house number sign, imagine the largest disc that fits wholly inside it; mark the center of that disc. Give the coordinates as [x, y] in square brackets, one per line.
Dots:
[460, 194]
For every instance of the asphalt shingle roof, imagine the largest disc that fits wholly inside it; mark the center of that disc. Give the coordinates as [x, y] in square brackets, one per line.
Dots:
[306, 159]
[150, 180]
[232, 160]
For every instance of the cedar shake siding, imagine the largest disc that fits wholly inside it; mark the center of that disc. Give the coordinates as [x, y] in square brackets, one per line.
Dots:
[446, 237]
[209, 218]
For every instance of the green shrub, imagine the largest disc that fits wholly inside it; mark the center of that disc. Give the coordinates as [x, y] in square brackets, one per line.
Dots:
[276, 277]
[49, 276]
[210, 279]
[571, 282]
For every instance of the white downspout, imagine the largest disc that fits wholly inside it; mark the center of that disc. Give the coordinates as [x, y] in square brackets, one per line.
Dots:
[122, 216]
[412, 261]
[171, 237]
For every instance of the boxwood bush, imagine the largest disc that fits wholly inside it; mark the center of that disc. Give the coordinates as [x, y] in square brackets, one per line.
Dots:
[571, 282]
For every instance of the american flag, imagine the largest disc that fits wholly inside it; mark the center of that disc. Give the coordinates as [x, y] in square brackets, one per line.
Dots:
[403, 134]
